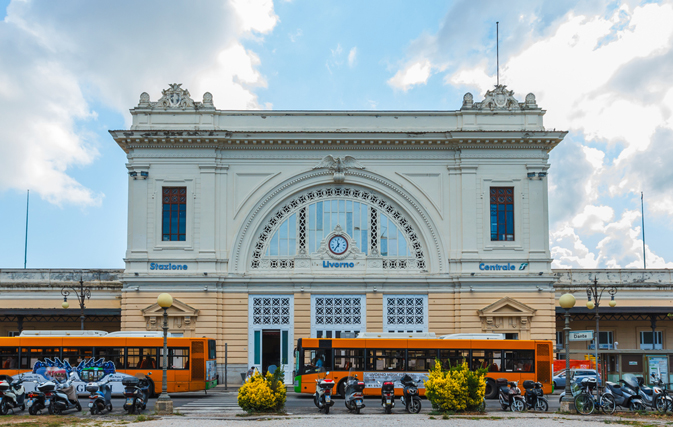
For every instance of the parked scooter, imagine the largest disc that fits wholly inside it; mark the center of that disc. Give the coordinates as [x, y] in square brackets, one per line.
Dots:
[137, 392]
[100, 398]
[12, 395]
[64, 397]
[387, 395]
[323, 393]
[623, 396]
[664, 402]
[410, 398]
[36, 400]
[535, 399]
[651, 397]
[354, 399]
[509, 395]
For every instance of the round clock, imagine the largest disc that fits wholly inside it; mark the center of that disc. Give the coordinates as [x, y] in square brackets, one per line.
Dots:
[338, 245]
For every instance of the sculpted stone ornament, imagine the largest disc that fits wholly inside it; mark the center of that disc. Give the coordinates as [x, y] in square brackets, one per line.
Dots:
[176, 98]
[339, 166]
[499, 99]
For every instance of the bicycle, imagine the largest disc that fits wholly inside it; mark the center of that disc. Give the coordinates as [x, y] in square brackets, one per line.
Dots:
[586, 402]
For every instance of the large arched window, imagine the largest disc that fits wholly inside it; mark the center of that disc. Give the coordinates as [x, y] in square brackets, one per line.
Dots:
[376, 227]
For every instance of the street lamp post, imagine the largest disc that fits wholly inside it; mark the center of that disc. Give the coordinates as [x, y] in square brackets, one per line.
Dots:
[82, 294]
[567, 302]
[596, 292]
[164, 403]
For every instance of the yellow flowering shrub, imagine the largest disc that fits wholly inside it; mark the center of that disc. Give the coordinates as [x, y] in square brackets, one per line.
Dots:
[457, 389]
[263, 393]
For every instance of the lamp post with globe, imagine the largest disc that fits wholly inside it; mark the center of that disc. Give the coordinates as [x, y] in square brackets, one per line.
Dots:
[595, 292]
[567, 302]
[164, 403]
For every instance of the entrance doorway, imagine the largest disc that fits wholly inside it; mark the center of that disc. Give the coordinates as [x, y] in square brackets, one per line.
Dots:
[270, 349]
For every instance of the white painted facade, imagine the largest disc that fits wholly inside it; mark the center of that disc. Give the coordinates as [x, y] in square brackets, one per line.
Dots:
[424, 176]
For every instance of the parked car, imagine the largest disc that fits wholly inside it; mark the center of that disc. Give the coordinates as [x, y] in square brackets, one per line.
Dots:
[559, 379]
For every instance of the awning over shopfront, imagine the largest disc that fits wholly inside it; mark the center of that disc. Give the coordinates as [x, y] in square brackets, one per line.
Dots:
[618, 313]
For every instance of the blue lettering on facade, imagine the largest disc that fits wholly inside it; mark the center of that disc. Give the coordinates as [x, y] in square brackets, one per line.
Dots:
[327, 264]
[169, 266]
[497, 267]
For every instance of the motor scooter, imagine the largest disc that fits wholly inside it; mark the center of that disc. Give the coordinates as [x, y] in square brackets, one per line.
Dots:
[387, 395]
[509, 395]
[12, 395]
[322, 398]
[623, 396]
[100, 398]
[354, 399]
[36, 400]
[535, 399]
[64, 397]
[653, 397]
[137, 392]
[410, 398]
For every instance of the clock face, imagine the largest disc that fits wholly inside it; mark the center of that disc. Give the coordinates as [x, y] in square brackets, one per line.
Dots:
[338, 245]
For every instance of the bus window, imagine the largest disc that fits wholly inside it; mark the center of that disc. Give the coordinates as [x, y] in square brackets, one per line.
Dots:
[385, 360]
[317, 360]
[141, 358]
[421, 360]
[113, 354]
[450, 358]
[75, 355]
[178, 358]
[9, 357]
[349, 359]
[212, 350]
[489, 359]
[31, 355]
[519, 361]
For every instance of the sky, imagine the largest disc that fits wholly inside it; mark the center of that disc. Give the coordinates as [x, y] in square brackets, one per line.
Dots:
[70, 71]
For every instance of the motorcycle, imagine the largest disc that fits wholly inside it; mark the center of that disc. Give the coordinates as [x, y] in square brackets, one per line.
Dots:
[410, 398]
[323, 393]
[624, 396]
[387, 396]
[535, 399]
[509, 395]
[64, 397]
[12, 395]
[137, 392]
[354, 399]
[651, 397]
[664, 402]
[100, 397]
[36, 400]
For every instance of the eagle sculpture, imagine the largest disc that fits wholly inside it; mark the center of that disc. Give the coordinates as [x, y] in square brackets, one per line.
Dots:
[339, 165]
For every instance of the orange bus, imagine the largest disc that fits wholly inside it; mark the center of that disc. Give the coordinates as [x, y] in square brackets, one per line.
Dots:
[389, 357]
[94, 355]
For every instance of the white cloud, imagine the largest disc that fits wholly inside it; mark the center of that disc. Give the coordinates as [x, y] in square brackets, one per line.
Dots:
[63, 58]
[415, 73]
[352, 56]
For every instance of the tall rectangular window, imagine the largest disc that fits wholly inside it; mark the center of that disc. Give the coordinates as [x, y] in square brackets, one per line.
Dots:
[502, 213]
[174, 213]
[646, 341]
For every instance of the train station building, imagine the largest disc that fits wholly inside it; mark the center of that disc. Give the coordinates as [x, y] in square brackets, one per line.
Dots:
[268, 226]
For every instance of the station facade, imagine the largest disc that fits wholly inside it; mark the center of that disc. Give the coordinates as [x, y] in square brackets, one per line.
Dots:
[268, 226]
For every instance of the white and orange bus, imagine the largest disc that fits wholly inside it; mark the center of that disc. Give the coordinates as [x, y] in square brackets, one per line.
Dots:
[93, 355]
[376, 357]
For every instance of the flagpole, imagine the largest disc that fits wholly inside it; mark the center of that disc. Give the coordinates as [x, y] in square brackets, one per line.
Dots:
[642, 216]
[497, 52]
[25, 252]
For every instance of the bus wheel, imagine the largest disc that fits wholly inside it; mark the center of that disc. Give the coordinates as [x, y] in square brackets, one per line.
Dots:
[491, 389]
[341, 388]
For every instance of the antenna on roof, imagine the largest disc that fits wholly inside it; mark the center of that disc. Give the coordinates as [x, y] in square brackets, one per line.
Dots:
[497, 52]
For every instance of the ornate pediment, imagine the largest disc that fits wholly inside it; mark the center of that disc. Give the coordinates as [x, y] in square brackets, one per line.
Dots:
[499, 99]
[181, 317]
[176, 97]
[505, 316]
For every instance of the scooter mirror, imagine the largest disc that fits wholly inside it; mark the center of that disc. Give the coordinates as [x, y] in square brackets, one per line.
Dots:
[327, 373]
[149, 373]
